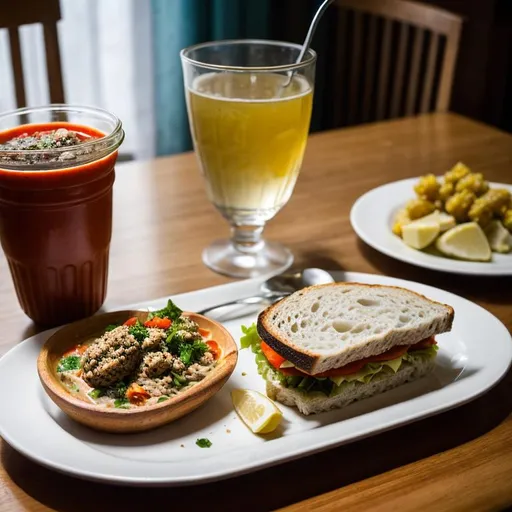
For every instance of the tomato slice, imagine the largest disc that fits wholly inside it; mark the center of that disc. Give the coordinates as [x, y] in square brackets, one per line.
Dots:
[76, 350]
[131, 321]
[392, 353]
[427, 342]
[277, 360]
[159, 323]
[214, 348]
[205, 333]
[343, 370]
[273, 357]
[294, 371]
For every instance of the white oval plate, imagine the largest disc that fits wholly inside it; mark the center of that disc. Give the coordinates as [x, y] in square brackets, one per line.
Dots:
[372, 218]
[473, 357]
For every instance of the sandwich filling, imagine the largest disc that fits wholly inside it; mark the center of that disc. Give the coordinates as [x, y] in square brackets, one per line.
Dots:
[272, 366]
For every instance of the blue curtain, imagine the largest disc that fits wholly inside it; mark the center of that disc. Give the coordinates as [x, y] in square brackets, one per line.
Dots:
[181, 23]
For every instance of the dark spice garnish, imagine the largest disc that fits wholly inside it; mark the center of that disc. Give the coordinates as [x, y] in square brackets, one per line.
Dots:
[44, 143]
[49, 139]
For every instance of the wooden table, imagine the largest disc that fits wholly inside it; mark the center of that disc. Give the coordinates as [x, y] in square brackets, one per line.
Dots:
[459, 460]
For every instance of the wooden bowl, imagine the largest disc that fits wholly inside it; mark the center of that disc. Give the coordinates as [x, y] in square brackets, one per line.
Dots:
[144, 417]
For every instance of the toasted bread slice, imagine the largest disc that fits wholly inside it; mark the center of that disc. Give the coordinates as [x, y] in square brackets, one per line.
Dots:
[323, 327]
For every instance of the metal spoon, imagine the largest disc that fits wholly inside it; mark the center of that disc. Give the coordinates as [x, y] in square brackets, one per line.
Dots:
[309, 36]
[280, 286]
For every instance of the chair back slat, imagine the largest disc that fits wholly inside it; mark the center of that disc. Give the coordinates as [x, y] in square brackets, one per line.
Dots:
[412, 91]
[17, 66]
[384, 70]
[392, 58]
[53, 63]
[356, 66]
[398, 83]
[24, 12]
[429, 73]
[339, 69]
[447, 72]
[370, 68]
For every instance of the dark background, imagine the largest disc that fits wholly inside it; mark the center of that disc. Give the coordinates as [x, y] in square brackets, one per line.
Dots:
[483, 80]
[482, 86]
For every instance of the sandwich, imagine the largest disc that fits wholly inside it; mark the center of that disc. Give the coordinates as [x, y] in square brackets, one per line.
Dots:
[324, 347]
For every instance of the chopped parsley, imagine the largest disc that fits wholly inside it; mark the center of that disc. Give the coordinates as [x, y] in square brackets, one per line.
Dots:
[96, 393]
[203, 443]
[189, 351]
[139, 332]
[179, 380]
[111, 327]
[162, 399]
[68, 364]
[121, 403]
[192, 352]
[171, 311]
[120, 389]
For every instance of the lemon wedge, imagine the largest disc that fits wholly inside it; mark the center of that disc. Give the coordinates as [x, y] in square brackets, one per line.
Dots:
[466, 241]
[498, 237]
[257, 411]
[444, 220]
[420, 233]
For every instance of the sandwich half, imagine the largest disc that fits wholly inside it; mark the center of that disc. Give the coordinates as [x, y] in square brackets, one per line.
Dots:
[326, 346]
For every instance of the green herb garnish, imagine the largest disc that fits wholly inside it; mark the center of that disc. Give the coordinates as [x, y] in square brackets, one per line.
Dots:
[192, 352]
[139, 332]
[203, 443]
[120, 389]
[111, 327]
[121, 403]
[162, 399]
[96, 393]
[171, 311]
[68, 364]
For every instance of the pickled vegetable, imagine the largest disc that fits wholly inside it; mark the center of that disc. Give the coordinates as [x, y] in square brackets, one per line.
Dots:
[401, 219]
[457, 172]
[495, 199]
[481, 213]
[507, 220]
[427, 188]
[417, 208]
[446, 190]
[459, 205]
[474, 182]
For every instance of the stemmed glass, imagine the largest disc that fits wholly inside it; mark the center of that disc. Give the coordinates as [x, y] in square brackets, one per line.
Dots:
[249, 105]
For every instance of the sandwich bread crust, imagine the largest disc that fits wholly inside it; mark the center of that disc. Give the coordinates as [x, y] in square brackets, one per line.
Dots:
[323, 327]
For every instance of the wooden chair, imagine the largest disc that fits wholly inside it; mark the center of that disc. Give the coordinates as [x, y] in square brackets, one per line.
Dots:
[381, 74]
[23, 12]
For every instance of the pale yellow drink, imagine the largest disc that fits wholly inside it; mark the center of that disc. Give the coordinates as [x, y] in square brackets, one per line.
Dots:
[250, 133]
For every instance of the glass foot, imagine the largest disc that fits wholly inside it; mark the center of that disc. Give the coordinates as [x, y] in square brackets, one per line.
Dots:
[270, 258]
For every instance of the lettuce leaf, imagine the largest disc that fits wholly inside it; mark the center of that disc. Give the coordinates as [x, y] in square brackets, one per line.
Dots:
[333, 385]
[250, 338]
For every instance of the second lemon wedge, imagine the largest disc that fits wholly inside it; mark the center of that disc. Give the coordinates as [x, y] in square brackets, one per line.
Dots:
[499, 237]
[420, 233]
[257, 411]
[466, 241]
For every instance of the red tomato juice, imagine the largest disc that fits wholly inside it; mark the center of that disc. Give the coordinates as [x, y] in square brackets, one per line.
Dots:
[55, 230]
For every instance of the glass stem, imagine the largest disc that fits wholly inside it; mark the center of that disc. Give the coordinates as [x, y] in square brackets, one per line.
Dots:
[247, 239]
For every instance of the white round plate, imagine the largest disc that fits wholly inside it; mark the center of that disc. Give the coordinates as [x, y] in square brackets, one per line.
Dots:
[372, 219]
[472, 358]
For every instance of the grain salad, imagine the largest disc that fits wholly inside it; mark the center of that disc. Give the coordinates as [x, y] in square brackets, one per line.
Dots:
[139, 363]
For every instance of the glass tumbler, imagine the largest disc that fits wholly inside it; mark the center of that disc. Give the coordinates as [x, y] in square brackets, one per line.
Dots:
[249, 105]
